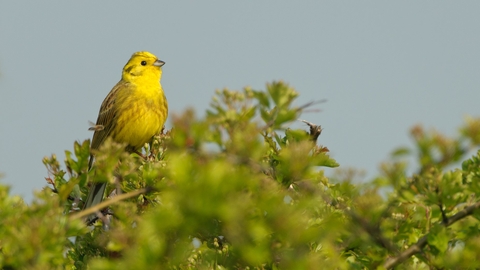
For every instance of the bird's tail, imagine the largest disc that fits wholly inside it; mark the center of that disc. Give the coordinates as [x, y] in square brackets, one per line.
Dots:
[95, 196]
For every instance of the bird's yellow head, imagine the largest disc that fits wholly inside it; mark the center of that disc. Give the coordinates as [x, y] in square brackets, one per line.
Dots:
[143, 66]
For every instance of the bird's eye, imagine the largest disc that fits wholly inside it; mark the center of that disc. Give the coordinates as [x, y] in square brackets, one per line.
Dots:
[144, 63]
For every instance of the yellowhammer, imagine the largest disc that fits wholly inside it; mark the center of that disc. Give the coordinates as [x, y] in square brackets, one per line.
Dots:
[133, 112]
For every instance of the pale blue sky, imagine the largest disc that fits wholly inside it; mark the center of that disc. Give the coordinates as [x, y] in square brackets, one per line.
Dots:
[383, 66]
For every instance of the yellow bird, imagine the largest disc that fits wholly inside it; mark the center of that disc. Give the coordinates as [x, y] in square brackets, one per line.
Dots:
[133, 112]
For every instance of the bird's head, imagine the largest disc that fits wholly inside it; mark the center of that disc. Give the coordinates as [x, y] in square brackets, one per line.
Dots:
[143, 66]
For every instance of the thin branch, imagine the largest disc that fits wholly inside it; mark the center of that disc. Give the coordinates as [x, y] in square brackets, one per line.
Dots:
[417, 247]
[106, 203]
[315, 130]
[304, 106]
[464, 213]
[444, 215]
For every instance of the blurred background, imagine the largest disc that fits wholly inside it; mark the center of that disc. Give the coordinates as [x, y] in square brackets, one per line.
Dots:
[382, 66]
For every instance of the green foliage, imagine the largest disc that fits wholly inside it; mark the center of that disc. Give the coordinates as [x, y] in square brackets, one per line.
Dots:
[35, 236]
[239, 190]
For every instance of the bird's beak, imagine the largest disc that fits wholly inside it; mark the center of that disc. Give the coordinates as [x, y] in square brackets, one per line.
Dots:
[159, 63]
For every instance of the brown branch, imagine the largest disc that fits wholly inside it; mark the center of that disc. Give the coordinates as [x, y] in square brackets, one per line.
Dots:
[315, 130]
[444, 215]
[106, 203]
[417, 247]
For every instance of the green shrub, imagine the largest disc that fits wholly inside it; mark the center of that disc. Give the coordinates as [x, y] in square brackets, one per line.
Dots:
[238, 190]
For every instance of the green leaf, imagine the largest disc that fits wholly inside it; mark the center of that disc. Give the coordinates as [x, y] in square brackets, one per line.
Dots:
[438, 238]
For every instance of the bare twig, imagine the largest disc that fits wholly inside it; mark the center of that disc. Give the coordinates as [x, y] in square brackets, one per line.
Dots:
[106, 203]
[315, 130]
[304, 106]
[417, 247]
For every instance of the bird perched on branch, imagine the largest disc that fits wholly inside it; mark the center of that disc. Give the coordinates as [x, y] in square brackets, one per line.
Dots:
[133, 112]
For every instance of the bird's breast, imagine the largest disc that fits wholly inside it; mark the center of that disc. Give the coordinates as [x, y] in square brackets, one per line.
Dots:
[140, 117]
